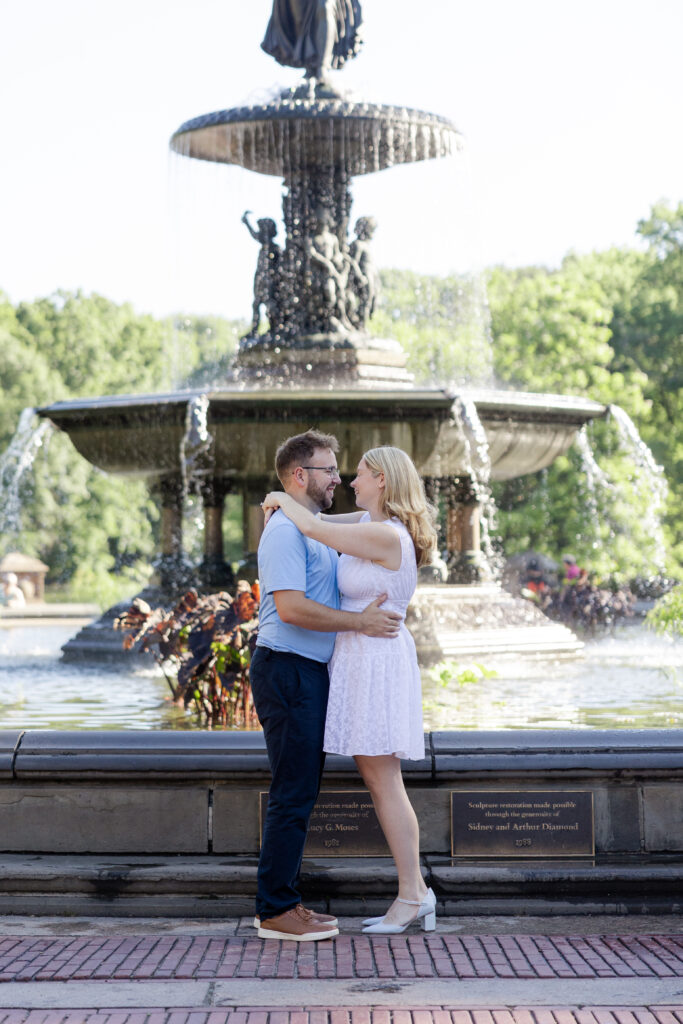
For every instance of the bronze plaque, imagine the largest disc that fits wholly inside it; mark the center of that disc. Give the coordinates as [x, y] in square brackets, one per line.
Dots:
[536, 823]
[343, 824]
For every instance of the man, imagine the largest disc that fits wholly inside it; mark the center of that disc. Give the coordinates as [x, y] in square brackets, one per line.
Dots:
[298, 620]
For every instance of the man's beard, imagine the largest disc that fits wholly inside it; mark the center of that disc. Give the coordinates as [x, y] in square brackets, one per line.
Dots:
[319, 495]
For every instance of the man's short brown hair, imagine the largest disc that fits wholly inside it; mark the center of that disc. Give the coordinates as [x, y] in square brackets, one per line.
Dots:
[297, 450]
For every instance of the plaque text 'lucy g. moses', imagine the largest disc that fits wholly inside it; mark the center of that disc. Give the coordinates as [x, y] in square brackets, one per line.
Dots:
[343, 824]
[543, 823]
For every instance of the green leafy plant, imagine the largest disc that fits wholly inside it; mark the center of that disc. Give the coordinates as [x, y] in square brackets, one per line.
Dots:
[667, 614]
[447, 673]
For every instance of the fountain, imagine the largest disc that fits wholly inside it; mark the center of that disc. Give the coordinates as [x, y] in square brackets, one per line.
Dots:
[118, 798]
[310, 358]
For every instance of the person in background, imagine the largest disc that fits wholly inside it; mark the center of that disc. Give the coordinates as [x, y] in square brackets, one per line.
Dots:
[571, 569]
[13, 595]
[534, 585]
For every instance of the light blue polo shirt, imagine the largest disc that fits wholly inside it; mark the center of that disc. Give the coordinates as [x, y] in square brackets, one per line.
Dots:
[289, 561]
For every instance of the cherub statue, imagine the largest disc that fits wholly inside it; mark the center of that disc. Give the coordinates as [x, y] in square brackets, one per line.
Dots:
[330, 273]
[364, 275]
[267, 276]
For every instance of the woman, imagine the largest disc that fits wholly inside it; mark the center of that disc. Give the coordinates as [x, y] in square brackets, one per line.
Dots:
[374, 711]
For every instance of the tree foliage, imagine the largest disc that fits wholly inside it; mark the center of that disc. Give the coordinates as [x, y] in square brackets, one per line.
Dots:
[97, 537]
[667, 614]
[442, 324]
[605, 325]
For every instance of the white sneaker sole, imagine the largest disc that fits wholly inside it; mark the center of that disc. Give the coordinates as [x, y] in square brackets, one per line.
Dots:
[269, 933]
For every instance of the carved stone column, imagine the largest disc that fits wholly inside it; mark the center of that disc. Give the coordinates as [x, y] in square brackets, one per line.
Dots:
[436, 571]
[252, 519]
[173, 571]
[214, 571]
[463, 531]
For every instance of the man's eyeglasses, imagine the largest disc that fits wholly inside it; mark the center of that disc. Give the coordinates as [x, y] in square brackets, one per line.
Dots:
[330, 470]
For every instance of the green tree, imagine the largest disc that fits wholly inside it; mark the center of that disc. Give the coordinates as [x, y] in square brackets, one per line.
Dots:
[72, 516]
[553, 332]
[205, 347]
[26, 377]
[96, 346]
[648, 336]
[442, 324]
[97, 536]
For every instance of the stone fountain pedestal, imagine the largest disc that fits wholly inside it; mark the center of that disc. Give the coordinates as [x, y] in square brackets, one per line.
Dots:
[460, 622]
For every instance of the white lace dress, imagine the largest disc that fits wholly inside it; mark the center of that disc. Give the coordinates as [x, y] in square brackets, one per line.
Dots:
[375, 704]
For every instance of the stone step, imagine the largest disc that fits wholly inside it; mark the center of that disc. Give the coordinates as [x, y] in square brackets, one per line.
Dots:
[546, 639]
[215, 886]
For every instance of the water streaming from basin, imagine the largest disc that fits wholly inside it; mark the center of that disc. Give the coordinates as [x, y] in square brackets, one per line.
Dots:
[16, 463]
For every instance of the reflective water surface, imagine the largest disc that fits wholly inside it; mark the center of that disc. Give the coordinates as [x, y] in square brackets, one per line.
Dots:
[37, 691]
[632, 680]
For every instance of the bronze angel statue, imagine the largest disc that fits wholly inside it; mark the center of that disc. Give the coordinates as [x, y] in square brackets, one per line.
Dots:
[317, 35]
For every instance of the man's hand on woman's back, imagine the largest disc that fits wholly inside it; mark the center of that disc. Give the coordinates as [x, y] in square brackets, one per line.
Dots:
[375, 621]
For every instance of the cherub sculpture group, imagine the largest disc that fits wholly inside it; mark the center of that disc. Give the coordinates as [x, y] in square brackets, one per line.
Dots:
[342, 282]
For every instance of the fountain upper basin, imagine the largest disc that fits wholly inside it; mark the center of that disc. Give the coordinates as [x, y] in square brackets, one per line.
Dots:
[295, 131]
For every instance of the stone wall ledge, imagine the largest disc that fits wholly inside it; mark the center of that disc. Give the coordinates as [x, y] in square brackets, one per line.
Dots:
[361, 876]
[144, 793]
[79, 754]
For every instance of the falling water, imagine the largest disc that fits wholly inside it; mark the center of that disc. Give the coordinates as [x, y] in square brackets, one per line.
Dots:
[603, 494]
[29, 437]
[599, 491]
[477, 458]
[478, 466]
[649, 480]
[196, 443]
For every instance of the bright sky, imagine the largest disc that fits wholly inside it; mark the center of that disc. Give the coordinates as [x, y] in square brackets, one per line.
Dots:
[573, 115]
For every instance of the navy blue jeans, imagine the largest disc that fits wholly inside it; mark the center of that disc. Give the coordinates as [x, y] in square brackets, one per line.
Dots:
[290, 694]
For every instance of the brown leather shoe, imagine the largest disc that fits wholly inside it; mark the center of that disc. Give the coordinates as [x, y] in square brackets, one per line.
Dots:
[315, 916]
[296, 924]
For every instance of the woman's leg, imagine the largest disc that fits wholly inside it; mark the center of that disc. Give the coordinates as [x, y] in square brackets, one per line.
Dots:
[382, 776]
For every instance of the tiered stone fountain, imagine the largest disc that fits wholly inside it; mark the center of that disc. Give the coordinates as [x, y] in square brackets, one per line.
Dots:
[91, 807]
[310, 358]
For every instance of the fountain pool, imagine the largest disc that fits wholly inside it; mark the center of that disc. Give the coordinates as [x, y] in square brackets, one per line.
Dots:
[629, 680]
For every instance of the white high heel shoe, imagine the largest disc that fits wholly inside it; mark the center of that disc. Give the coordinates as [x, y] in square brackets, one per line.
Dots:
[375, 920]
[426, 915]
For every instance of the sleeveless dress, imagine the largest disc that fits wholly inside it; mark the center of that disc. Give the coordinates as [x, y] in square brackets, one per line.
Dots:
[375, 702]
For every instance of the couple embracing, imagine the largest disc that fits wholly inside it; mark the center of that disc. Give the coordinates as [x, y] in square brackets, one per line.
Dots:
[335, 668]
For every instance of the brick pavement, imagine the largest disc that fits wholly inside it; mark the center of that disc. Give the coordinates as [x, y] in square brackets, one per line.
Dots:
[175, 957]
[207, 957]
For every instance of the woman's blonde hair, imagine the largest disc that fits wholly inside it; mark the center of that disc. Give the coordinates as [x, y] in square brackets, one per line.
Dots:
[404, 497]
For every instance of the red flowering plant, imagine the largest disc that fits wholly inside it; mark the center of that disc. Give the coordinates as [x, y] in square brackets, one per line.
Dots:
[208, 642]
